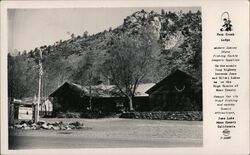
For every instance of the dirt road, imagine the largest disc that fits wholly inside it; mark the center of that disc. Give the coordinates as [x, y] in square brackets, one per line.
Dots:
[112, 133]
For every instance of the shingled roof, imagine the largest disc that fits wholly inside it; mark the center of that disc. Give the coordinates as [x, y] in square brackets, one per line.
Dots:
[171, 77]
[100, 90]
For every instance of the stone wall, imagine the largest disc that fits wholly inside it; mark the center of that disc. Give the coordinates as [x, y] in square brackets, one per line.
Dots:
[165, 115]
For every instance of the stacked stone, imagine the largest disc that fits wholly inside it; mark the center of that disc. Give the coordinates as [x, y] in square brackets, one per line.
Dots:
[28, 125]
[165, 115]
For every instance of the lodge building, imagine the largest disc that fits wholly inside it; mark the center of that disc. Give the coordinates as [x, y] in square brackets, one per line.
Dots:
[179, 91]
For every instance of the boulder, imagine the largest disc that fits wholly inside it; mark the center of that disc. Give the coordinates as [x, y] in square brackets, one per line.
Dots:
[44, 126]
[33, 126]
[76, 124]
[55, 128]
[18, 126]
[50, 127]
[38, 127]
[62, 127]
[40, 122]
[24, 125]
[68, 128]
[27, 128]
[29, 122]
[72, 126]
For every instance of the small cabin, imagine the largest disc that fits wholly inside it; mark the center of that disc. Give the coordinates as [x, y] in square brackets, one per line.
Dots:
[179, 91]
[68, 97]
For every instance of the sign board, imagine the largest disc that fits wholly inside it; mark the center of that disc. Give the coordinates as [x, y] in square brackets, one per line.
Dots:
[25, 113]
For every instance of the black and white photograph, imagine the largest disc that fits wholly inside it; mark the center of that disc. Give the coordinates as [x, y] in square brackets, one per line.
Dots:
[104, 77]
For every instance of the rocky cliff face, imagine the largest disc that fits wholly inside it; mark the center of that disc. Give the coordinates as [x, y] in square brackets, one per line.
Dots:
[178, 35]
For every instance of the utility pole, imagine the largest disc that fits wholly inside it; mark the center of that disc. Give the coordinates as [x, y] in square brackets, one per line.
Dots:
[39, 87]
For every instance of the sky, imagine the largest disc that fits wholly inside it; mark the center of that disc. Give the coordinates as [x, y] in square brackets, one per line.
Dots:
[31, 28]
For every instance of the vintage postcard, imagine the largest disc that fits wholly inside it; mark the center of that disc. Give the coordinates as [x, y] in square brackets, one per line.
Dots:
[119, 77]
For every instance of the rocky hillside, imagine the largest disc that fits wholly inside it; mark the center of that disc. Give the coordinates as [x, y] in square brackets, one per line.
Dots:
[178, 35]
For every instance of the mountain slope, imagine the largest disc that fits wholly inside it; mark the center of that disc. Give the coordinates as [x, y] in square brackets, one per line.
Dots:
[178, 36]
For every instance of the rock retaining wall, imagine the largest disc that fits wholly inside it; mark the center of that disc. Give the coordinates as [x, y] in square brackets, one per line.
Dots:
[166, 115]
[29, 125]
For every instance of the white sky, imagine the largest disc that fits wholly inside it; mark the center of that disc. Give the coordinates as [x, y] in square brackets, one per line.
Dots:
[30, 28]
